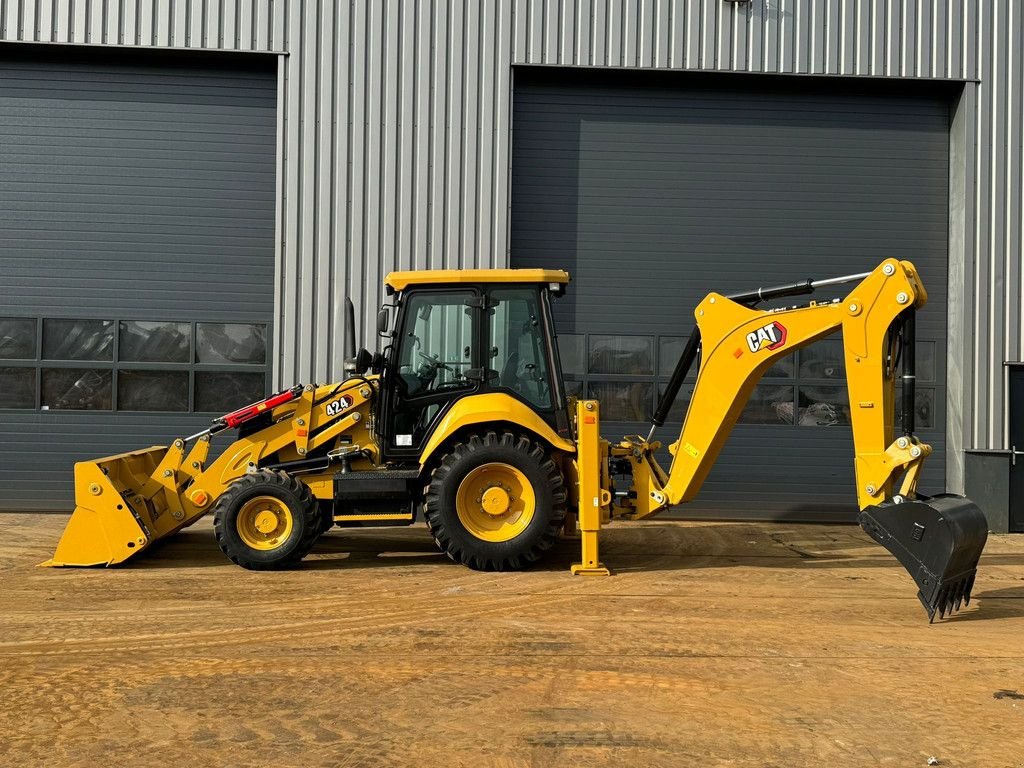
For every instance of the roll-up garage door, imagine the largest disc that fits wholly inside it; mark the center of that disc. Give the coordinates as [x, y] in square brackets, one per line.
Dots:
[653, 192]
[137, 200]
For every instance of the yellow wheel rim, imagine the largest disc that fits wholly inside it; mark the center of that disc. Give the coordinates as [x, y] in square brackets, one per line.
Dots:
[495, 502]
[264, 523]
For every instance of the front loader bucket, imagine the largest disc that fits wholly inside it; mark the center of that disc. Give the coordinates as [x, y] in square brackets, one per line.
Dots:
[116, 514]
[938, 540]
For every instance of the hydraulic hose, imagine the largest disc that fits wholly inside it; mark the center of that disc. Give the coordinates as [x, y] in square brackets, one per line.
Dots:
[678, 376]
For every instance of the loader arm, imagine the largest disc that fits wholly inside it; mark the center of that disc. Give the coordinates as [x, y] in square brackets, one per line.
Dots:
[125, 503]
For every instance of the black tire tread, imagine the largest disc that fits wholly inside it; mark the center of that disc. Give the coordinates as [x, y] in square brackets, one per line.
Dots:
[275, 480]
[527, 450]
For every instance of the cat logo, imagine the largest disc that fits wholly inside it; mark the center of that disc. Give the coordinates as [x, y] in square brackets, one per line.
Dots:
[771, 336]
[333, 409]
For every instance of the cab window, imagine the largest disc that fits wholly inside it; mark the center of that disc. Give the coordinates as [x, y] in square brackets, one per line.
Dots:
[436, 345]
[517, 352]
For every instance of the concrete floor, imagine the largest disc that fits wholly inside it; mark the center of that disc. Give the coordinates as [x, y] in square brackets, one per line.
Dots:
[714, 644]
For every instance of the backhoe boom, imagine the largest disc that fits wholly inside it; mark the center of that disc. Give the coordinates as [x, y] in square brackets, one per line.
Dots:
[739, 344]
[937, 540]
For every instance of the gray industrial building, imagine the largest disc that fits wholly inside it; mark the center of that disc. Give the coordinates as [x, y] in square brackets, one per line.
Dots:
[188, 189]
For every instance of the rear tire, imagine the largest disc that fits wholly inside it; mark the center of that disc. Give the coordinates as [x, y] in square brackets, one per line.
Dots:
[496, 502]
[267, 521]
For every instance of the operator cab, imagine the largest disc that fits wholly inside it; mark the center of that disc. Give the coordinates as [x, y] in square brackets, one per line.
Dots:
[463, 333]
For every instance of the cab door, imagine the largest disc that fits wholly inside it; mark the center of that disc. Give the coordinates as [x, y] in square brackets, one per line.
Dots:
[435, 361]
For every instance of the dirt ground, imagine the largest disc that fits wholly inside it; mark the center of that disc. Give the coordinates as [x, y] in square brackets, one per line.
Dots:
[714, 644]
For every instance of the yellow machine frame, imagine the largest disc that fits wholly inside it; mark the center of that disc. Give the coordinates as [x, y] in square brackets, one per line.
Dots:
[730, 369]
[320, 438]
[166, 489]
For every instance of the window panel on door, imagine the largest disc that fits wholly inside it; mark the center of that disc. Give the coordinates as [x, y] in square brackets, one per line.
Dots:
[518, 355]
[91, 340]
[435, 354]
[769, 404]
[572, 350]
[244, 343]
[17, 338]
[823, 405]
[131, 364]
[436, 348]
[924, 408]
[153, 342]
[823, 360]
[621, 354]
[152, 390]
[77, 389]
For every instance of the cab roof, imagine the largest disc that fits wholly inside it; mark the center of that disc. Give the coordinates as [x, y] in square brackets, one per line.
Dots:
[400, 281]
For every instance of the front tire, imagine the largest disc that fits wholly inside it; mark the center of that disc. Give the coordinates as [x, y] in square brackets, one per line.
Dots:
[496, 502]
[266, 521]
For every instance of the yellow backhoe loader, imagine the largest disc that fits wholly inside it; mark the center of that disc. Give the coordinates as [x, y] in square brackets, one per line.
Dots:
[463, 419]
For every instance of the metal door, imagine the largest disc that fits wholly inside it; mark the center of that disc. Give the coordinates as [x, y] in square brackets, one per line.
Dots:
[653, 191]
[137, 262]
[1017, 448]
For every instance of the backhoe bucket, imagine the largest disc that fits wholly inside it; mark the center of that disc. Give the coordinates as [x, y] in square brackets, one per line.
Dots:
[116, 515]
[938, 540]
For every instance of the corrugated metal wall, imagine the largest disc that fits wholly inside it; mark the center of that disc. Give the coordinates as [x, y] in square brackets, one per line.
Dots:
[234, 25]
[908, 38]
[395, 129]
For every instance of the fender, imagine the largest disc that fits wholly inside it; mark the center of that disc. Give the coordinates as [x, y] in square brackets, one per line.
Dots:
[487, 409]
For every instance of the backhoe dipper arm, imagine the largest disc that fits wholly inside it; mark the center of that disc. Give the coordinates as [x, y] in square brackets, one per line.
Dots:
[739, 344]
[938, 539]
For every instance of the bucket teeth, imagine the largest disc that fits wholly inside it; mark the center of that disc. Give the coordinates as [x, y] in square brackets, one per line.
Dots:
[949, 598]
[938, 540]
[965, 592]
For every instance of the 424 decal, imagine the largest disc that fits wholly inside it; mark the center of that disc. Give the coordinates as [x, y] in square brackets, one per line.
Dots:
[771, 336]
[338, 405]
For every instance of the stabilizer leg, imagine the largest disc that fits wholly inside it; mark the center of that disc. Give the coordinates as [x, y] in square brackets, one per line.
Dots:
[591, 564]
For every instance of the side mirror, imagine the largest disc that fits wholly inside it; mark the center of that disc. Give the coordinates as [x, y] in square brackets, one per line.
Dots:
[377, 363]
[383, 322]
[362, 362]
